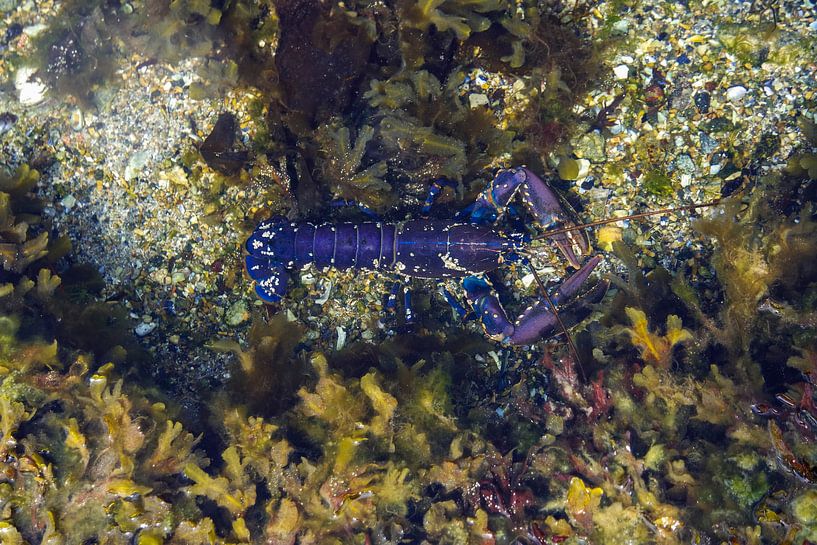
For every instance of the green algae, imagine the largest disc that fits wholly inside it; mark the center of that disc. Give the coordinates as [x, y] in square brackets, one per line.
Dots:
[340, 164]
[657, 184]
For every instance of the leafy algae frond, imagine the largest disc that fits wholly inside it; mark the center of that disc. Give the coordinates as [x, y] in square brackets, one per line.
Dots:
[655, 348]
[460, 16]
[341, 165]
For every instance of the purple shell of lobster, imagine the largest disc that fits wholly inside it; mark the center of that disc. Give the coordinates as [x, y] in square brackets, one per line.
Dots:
[427, 248]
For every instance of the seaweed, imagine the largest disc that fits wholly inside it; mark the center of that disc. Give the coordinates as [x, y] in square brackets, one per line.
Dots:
[460, 16]
[269, 373]
[655, 348]
[421, 115]
[217, 149]
[340, 163]
[319, 48]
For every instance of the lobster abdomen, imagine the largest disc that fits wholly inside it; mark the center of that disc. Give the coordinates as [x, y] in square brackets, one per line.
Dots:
[366, 245]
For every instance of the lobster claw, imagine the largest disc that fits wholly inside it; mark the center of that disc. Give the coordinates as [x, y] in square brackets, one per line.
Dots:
[544, 204]
[539, 319]
[552, 210]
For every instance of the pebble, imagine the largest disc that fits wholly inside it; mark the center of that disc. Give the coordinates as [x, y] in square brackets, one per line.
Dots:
[622, 71]
[591, 146]
[7, 121]
[684, 164]
[68, 202]
[341, 338]
[477, 100]
[135, 164]
[30, 90]
[569, 168]
[77, 120]
[237, 313]
[144, 329]
[327, 292]
[702, 101]
[622, 27]
[708, 144]
[736, 93]
[32, 31]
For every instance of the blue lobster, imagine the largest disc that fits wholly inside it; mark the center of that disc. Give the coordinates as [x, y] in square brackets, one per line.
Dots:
[429, 248]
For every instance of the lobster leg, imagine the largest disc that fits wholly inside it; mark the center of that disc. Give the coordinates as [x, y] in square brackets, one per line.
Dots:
[461, 311]
[541, 202]
[391, 305]
[538, 320]
[346, 203]
[433, 191]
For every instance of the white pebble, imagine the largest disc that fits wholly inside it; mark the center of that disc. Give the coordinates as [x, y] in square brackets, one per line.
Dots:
[622, 71]
[29, 91]
[143, 329]
[68, 202]
[622, 26]
[584, 169]
[327, 291]
[736, 93]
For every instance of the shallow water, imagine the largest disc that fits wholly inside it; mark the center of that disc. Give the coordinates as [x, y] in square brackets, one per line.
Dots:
[148, 395]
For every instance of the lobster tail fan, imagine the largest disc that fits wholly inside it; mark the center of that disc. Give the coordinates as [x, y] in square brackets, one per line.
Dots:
[270, 281]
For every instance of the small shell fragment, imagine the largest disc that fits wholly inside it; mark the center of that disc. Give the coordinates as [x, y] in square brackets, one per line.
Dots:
[341, 338]
[736, 93]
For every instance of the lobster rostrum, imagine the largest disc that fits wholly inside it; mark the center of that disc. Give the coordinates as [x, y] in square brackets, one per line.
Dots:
[431, 248]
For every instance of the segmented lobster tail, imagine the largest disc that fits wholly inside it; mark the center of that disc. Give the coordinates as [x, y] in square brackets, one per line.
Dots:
[270, 281]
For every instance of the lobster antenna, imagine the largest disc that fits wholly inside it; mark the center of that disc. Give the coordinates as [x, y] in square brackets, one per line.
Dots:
[570, 344]
[640, 215]
[562, 230]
